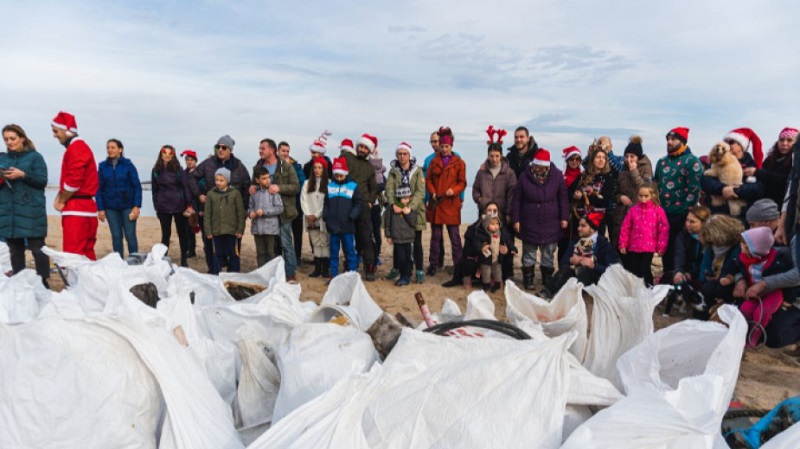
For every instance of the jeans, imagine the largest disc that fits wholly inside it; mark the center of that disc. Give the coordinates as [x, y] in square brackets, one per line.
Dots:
[437, 242]
[226, 249]
[16, 249]
[287, 246]
[348, 241]
[120, 225]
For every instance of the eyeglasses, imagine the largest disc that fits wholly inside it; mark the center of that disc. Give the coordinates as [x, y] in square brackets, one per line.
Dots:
[221, 147]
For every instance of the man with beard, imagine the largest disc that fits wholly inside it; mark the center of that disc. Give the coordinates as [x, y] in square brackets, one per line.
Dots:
[678, 176]
[363, 173]
[522, 152]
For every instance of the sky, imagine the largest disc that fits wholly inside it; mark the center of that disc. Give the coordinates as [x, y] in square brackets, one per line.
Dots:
[186, 72]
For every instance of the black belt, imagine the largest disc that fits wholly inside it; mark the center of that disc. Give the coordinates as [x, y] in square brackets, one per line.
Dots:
[81, 197]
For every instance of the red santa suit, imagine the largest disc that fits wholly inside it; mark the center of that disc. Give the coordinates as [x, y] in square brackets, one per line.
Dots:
[79, 216]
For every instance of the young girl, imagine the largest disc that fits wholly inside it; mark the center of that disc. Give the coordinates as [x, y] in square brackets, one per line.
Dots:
[645, 231]
[720, 235]
[225, 220]
[496, 245]
[312, 200]
[757, 259]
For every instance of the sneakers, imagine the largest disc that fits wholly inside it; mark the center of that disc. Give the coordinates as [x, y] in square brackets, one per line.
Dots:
[393, 274]
[420, 276]
[545, 293]
[402, 282]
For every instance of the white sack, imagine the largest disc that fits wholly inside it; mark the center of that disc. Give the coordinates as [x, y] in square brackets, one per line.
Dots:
[622, 317]
[258, 386]
[5, 258]
[21, 297]
[347, 289]
[566, 312]
[315, 357]
[679, 382]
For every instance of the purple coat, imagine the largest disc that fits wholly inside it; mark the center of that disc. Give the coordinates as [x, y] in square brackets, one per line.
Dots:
[540, 208]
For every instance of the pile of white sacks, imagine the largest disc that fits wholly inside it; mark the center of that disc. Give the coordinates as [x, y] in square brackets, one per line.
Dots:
[93, 367]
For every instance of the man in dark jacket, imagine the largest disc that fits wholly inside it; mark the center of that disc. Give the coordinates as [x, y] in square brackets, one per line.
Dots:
[240, 180]
[363, 173]
[297, 223]
[521, 153]
[285, 182]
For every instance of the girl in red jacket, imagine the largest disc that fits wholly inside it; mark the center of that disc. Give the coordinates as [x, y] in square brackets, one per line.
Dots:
[645, 231]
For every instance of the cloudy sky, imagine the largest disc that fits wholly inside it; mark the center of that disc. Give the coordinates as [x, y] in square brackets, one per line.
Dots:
[184, 73]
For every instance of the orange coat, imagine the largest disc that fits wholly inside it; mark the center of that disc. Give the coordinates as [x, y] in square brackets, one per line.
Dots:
[440, 178]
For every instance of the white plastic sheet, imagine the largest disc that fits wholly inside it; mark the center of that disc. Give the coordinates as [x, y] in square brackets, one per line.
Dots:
[21, 297]
[5, 258]
[565, 313]
[679, 383]
[347, 289]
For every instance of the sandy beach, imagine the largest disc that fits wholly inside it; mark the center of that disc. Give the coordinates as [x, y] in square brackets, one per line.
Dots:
[766, 377]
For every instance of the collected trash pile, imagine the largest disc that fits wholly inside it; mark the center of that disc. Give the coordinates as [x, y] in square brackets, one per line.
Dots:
[94, 367]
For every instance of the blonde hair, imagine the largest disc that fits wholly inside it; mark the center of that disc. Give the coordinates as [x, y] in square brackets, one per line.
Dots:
[653, 192]
[721, 230]
[701, 212]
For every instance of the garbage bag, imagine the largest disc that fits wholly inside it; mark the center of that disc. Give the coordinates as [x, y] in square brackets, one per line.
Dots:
[21, 297]
[347, 289]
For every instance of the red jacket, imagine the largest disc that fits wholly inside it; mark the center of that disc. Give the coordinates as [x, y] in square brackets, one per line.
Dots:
[79, 175]
[447, 209]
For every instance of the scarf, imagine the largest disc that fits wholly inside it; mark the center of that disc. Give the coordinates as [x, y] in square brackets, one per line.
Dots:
[679, 151]
[571, 175]
[540, 177]
[446, 160]
[755, 265]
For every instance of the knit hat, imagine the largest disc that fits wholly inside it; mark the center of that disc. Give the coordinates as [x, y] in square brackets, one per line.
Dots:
[402, 192]
[763, 210]
[788, 132]
[368, 141]
[320, 160]
[224, 172]
[319, 144]
[189, 153]
[635, 146]
[227, 141]
[542, 158]
[746, 137]
[340, 166]
[66, 121]
[595, 219]
[679, 133]
[347, 145]
[758, 240]
[571, 151]
[403, 146]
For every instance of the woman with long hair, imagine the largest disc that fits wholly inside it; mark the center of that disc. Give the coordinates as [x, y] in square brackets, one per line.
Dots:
[23, 210]
[596, 188]
[312, 200]
[171, 198]
[119, 197]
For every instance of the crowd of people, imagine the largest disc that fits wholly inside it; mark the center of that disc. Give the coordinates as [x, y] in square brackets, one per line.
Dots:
[723, 224]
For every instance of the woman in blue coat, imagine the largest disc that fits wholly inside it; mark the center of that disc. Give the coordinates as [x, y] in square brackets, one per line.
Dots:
[23, 210]
[119, 197]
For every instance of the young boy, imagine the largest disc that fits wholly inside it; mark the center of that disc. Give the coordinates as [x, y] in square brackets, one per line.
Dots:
[224, 219]
[579, 260]
[496, 244]
[342, 206]
[265, 210]
[399, 228]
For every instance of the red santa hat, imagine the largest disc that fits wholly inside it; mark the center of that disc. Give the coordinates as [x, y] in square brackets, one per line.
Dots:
[595, 219]
[679, 133]
[347, 145]
[403, 146]
[747, 138]
[340, 166]
[788, 133]
[571, 151]
[542, 158]
[320, 143]
[368, 141]
[66, 121]
[320, 160]
[189, 153]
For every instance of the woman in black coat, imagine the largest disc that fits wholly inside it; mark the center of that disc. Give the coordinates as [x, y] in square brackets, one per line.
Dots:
[172, 199]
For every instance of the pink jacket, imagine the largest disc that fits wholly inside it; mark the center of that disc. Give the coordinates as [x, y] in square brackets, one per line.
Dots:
[645, 229]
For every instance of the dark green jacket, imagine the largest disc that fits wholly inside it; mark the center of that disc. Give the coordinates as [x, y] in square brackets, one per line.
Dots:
[23, 210]
[286, 177]
[363, 173]
[224, 212]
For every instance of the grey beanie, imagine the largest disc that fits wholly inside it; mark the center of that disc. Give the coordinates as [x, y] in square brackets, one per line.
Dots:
[763, 210]
[227, 141]
[224, 172]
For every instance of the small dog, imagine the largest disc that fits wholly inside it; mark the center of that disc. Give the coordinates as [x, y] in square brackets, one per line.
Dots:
[584, 248]
[685, 295]
[728, 171]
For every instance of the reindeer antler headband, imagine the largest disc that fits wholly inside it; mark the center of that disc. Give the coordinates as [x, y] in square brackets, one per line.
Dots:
[492, 133]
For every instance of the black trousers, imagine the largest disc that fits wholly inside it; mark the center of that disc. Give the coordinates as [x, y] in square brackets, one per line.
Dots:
[712, 291]
[639, 264]
[375, 212]
[418, 262]
[16, 249]
[403, 259]
[585, 275]
[181, 225]
[297, 234]
[365, 246]
[676, 223]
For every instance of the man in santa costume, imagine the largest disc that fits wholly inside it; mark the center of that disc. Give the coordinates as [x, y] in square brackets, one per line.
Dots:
[77, 188]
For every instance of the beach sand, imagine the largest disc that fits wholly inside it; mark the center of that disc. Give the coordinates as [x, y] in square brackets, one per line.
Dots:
[767, 376]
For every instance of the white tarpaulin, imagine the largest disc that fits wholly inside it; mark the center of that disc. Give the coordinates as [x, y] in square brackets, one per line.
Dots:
[5, 258]
[21, 297]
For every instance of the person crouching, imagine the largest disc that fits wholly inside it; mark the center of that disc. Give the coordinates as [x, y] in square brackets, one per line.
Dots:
[400, 233]
[224, 215]
[342, 206]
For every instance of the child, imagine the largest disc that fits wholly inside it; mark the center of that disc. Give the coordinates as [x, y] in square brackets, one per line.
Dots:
[720, 235]
[645, 230]
[758, 259]
[400, 233]
[496, 244]
[312, 200]
[265, 210]
[340, 210]
[225, 220]
[590, 264]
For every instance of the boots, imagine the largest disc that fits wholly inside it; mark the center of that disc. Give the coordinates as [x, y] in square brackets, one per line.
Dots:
[317, 268]
[547, 274]
[527, 277]
[325, 267]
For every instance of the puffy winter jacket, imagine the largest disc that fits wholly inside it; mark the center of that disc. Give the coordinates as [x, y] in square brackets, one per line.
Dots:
[240, 177]
[645, 229]
[416, 182]
[224, 212]
[23, 208]
[120, 187]
[498, 189]
[171, 194]
[540, 208]
[399, 227]
[286, 177]
[342, 206]
[271, 205]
